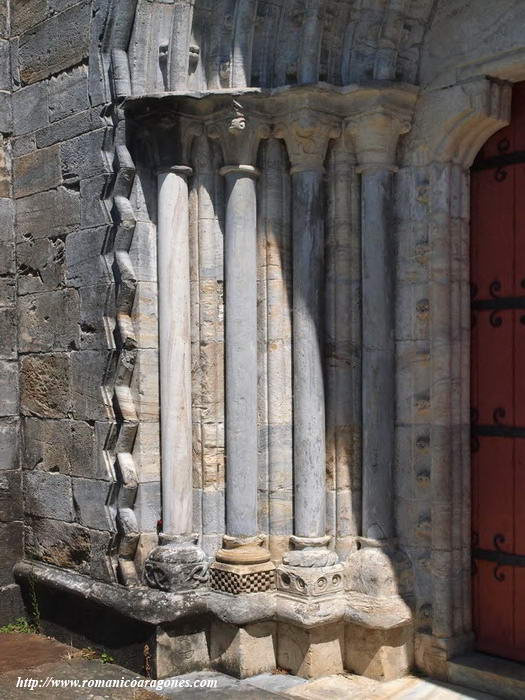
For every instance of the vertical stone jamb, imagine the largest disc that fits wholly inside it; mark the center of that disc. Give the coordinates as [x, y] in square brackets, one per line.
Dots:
[178, 563]
[308, 71]
[372, 570]
[375, 134]
[242, 565]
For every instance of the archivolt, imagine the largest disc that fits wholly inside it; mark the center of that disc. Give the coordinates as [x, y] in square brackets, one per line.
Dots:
[213, 44]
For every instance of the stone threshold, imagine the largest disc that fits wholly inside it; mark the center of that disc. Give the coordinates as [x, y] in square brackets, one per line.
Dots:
[488, 674]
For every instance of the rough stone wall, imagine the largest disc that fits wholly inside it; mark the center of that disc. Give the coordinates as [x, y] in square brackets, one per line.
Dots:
[11, 509]
[79, 373]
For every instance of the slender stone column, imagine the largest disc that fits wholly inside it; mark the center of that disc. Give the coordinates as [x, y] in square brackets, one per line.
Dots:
[178, 562]
[242, 565]
[175, 350]
[307, 137]
[375, 136]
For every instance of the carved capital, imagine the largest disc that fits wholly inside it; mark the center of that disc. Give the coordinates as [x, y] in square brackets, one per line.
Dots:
[168, 137]
[375, 135]
[452, 124]
[239, 134]
[307, 134]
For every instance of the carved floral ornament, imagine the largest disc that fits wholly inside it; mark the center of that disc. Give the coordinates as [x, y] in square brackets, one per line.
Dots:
[239, 133]
[307, 138]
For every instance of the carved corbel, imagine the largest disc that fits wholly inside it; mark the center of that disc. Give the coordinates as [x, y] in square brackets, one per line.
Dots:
[307, 135]
[452, 124]
[239, 134]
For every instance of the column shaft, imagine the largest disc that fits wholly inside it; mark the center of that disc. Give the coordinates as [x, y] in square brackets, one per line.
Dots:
[378, 354]
[240, 260]
[175, 352]
[309, 400]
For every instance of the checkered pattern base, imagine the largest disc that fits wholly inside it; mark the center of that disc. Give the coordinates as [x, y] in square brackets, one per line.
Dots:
[239, 579]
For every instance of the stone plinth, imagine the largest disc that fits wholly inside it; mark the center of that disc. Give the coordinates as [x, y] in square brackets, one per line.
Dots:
[311, 653]
[243, 651]
[235, 578]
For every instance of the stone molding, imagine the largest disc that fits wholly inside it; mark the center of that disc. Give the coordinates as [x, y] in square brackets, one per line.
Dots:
[452, 124]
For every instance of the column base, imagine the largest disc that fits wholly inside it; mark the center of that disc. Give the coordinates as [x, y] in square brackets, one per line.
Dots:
[177, 564]
[379, 641]
[243, 651]
[381, 654]
[311, 653]
[236, 579]
[242, 566]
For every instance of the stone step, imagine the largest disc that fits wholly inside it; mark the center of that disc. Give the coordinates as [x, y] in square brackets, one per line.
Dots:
[489, 674]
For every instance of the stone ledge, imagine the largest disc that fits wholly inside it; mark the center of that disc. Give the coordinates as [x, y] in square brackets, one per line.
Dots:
[156, 607]
[140, 604]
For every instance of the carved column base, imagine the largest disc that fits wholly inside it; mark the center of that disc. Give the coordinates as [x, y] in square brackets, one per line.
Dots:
[242, 566]
[310, 552]
[379, 628]
[177, 564]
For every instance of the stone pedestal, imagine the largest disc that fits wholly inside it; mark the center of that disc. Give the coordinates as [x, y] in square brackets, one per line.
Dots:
[381, 654]
[311, 653]
[243, 651]
[378, 630]
[179, 649]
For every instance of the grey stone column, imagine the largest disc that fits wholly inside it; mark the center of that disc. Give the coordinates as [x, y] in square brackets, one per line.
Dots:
[375, 137]
[378, 379]
[178, 562]
[243, 562]
[240, 274]
[307, 134]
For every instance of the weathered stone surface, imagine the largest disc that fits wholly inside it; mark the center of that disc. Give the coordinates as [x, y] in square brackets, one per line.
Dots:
[30, 108]
[9, 443]
[45, 385]
[7, 291]
[87, 377]
[90, 497]
[180, 650]
[11, 604]
[26, 14]
[8, 388]
[48, 495]
[7, 334]
[40, 265]
[84, 156]
[6, 113]
[5, 64]
[36, 172]
[11, 496]
[7, 219]
[11, 546]
[69, 128]
[68, 93]
[245, 651]
[147, 506]
[51, 213]
[379, 654]
[94, 210]
[311, 653]
[49, 321]
[97, 305]
[55, 44]
[21, 145]
[84, 260]
[7, 259]
[60, 446]
[58, 543]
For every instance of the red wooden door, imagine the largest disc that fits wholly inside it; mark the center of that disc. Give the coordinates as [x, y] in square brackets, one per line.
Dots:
[498, 388]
